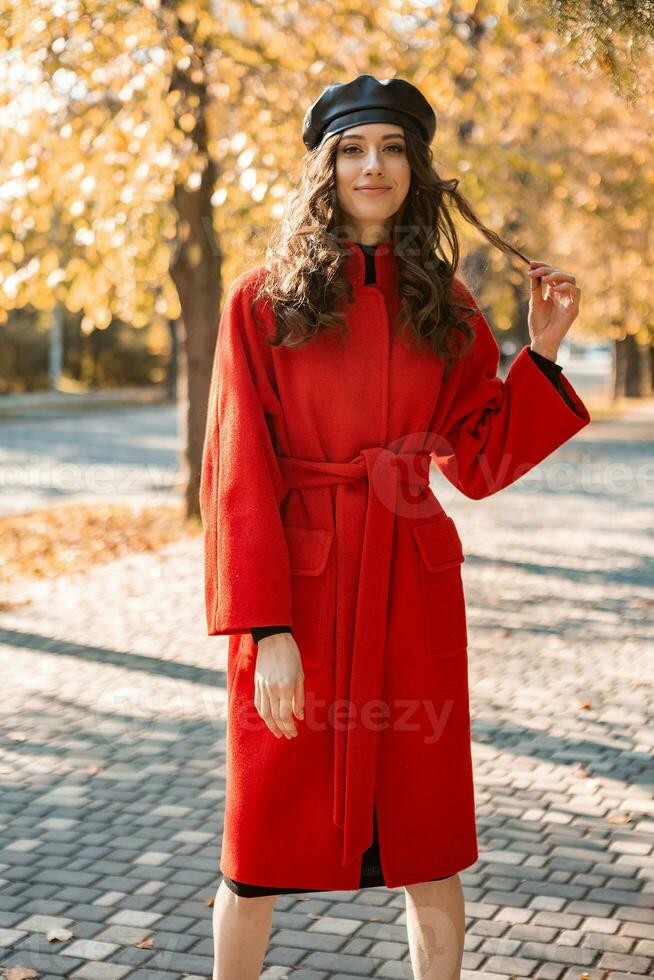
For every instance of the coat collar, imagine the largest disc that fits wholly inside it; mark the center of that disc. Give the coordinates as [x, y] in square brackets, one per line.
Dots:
[385, 263]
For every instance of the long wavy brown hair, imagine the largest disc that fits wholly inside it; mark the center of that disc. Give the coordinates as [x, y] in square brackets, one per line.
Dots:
[304, 280]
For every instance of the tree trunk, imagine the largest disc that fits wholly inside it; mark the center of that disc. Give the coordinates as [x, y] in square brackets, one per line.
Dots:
[645, 370]
[196, 272]
[56, 348]
[628, 368]
[520, 326]
[94, 338]
[522, 316]
[172, 367]
[199, 288]
[618, 370]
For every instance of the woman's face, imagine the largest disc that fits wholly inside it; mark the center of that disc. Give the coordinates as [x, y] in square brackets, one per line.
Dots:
[371, 155]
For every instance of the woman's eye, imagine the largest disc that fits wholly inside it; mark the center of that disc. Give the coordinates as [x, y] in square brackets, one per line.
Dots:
[391, 146]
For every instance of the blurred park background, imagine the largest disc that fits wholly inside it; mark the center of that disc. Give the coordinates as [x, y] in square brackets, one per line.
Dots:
[147, 148]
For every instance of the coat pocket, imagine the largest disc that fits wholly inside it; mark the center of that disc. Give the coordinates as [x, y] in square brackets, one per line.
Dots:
[440, 556]
[308, 548]
[439, 543]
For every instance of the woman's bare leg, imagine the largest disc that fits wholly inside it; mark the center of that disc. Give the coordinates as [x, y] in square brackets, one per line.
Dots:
[435, 916]
[241, 929]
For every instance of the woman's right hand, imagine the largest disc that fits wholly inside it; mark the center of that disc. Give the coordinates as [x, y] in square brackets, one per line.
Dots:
[279, 683]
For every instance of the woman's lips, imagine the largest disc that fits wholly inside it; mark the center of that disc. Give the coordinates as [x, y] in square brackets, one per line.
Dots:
[372, 190]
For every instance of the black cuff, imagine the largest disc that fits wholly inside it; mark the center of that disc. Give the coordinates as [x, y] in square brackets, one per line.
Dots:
[258, 632]
[550, 368]
[553, 372]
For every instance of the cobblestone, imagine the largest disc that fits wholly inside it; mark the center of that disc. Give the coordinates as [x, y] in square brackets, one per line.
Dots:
[112, 777]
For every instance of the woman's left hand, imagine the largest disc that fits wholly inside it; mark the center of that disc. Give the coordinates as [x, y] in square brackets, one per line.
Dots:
[550, 319]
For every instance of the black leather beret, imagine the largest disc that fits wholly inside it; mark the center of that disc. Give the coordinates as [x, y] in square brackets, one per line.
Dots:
[364, 100]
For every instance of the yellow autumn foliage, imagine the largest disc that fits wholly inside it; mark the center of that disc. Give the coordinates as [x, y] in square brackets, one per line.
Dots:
[98, 134]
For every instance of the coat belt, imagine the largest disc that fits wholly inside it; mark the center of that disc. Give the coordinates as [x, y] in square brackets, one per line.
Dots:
[361, 637]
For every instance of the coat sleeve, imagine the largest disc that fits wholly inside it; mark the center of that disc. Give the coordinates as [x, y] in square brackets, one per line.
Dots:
[247, 573]
[490, 431]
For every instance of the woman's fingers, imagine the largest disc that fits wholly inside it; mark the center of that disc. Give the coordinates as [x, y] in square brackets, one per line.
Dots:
[264, 708]
[561, 284]
[298, 696]
[568, 293]
[548, 273]
[284, 715]
[557, 276]
[274, 704]
[280, 704]
[283, 705]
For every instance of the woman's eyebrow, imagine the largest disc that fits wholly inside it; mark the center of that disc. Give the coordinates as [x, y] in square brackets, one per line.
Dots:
[388, 136]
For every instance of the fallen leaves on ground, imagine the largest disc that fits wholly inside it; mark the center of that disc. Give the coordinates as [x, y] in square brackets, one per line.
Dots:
[618, 818]
[58, 935]
[73, 537]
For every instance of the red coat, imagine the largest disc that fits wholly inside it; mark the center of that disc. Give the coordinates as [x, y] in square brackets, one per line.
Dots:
[318, 514]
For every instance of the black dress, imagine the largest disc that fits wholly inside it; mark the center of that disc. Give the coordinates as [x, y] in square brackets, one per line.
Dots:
[371, 872]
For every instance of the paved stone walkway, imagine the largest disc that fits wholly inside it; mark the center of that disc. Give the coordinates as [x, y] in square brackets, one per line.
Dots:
[111, 781]
[123, 453]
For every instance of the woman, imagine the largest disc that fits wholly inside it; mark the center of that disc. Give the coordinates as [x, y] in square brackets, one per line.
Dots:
[343, 366]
